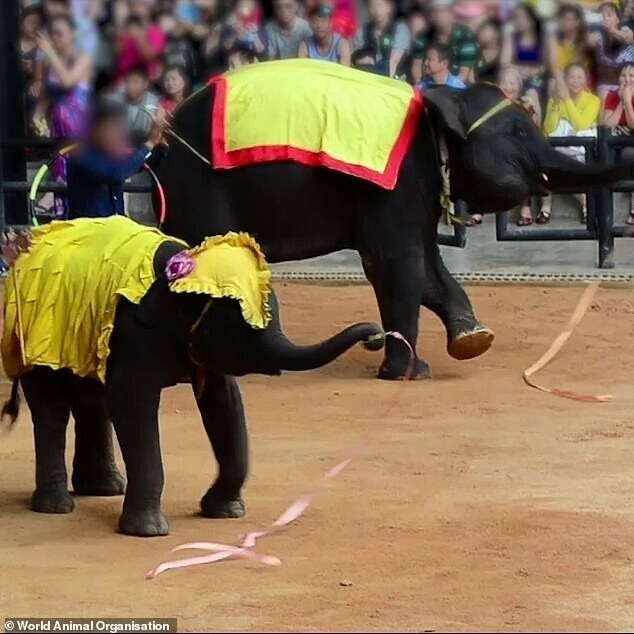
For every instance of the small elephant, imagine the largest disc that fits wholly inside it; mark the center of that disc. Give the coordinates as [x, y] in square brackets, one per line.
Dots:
[101, 315]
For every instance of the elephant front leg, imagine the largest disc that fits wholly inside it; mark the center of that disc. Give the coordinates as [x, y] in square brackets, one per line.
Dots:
[397, 284]
[94, 468]
[48, 396]
[467, 338]
[133, 401]
[222, 412]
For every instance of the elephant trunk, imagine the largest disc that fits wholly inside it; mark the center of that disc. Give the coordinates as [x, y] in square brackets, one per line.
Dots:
[286, 355]
[566, 175]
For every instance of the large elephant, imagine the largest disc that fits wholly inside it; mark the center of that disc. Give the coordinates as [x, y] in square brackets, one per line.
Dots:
[496, 158]
[163, 337]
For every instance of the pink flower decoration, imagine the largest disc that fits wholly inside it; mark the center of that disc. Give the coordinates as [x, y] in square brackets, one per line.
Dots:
[179, 265]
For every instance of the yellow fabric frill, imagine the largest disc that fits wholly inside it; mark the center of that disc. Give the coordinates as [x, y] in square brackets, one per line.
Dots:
[68, 287]
[231, 266]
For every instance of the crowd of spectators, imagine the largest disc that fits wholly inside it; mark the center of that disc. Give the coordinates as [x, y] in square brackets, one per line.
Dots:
[570, 63]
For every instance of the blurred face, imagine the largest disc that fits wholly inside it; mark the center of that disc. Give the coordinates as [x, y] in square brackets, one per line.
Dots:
[522, 21]
[416, 23]
[31, 24]
[55, 8]
[173, 83]
[135, 87]
[285, 11]
[236, 60]
[569, 23]
[626, 77]
[141, 9]
[110, 135]
[321, 27]
[62, 36]
[380, 11]
[576, 80]
[442, 19]
[432, 64]
[609, 16]
[244, 8]
[510, 85]
[487, 36]
[168, 23]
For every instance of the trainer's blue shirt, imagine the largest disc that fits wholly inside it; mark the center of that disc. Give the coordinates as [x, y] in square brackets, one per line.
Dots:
[95, 182]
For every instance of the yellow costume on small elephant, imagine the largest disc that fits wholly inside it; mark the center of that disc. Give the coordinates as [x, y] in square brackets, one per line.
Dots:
[62, 295]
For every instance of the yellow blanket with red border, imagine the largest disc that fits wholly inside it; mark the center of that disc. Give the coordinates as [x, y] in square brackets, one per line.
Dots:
[316, 113]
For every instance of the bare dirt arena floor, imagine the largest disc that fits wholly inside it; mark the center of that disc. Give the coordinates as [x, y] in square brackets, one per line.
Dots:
[480, 505]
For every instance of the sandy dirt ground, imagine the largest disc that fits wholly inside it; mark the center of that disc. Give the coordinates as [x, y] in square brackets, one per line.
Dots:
[479, 505]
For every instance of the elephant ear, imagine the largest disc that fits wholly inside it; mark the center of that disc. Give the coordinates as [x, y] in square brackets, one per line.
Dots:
[447, 106]
[159, 306]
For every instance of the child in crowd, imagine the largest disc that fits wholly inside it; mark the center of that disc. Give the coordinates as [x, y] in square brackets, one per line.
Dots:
[140, 103]
[99, 168]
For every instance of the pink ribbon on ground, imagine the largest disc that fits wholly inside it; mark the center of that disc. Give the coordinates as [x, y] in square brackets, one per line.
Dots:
[246, 544]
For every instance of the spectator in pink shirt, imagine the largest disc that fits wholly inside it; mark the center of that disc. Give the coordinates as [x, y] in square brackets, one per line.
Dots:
[141, 42]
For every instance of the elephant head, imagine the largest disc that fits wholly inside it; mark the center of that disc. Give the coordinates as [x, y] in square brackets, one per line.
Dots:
[498, 157]
[218, 336]
[227, 344]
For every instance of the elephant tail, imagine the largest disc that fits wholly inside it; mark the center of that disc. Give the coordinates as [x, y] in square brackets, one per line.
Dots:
[11, 408]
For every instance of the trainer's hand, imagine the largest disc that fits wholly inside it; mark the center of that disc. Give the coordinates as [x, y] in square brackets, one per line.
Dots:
[157, 130]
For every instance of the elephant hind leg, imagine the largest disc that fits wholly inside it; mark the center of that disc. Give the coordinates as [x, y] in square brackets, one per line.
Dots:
[94, 468]
[220, 406]
[47, 393]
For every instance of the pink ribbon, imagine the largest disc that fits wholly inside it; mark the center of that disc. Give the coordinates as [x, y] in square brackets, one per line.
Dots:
[246, 544]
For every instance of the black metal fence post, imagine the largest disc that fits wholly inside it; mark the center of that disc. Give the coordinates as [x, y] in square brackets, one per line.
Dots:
[605, 207]
[11, 113]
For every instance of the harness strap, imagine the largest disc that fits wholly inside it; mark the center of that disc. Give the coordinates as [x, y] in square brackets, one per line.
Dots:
[198, 366]
[190, 147]
[489, 115]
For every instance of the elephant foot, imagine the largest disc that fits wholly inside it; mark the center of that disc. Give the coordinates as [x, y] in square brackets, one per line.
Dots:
[470, 344]
[106, 482]
[52, 501]
[215, 507]
[399, 371]
[147, 523]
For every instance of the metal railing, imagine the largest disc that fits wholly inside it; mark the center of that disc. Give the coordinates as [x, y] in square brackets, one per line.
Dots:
[23, 186]
[600, 221]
